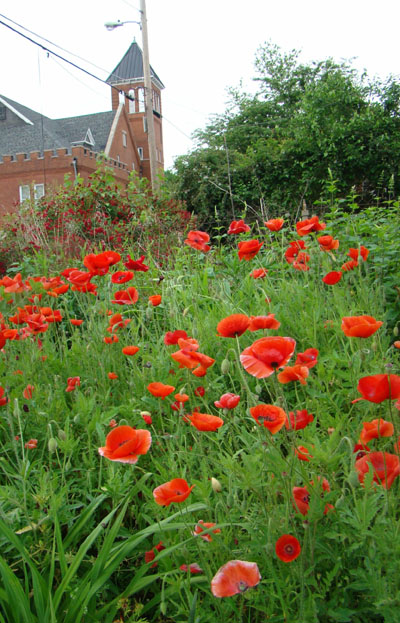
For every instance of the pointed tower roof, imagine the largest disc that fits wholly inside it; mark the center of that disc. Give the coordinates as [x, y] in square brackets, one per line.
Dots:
[130, 68]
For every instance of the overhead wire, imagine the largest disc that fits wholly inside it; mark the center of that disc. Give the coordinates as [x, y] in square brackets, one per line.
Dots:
[49, 51]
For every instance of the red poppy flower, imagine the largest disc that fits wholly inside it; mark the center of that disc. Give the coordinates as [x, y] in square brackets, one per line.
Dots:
[328, 243]
[187, 357]
[31, 444]
[360, 450]
[379, 387]
[205, 525]
[347, 266]
[233, 326]
[238, 227]
[303, 453]
[274, 224]
[28, 392]
[204, 421]
[356, 253]
[332, 278]
[100, 264]
[267, 354]
[396, 344]
[130, 350]
[155, 299]
[308, 358]
[301, 499]
[193, 568]
[182, 398]
[227, 401]
[172, 337]
[294, 373]
[360, 326]
[113, 423]
[263, 322]
[76, 322]
[176, 490]
[3, 399]
[111, 340]
[386, 468]
[259, 273]
[300, 420]
[126, 297]
[199, 391]
[112, 375]
[136, 265]
[293, 250]
[270, 416]
[159, 390]
[287, 548]
[197, 240]
[236, 576]
[151, 554]
[308, 225]
[147, 418]
[249, 249]
[72, 383]
[122, 276]
[124, 444]
[375, 429]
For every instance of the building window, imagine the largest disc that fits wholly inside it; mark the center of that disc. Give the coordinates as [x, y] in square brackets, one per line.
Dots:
[156, 102]
[38, 191]
[140, 152]
[131, 106]
[141, 99]
[24, 193]
[133, 166]
[124, 138]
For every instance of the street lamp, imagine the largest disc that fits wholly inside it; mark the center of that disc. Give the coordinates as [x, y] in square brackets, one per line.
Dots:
[114, 25]
[147, 88]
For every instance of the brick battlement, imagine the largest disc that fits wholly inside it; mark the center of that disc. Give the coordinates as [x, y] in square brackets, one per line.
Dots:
[54, 159]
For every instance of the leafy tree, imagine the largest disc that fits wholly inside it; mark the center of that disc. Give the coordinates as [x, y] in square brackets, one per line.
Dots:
[275, 149]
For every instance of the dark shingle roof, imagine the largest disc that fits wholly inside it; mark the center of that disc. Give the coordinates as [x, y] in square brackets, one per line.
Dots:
[46, 133]
[130, 67]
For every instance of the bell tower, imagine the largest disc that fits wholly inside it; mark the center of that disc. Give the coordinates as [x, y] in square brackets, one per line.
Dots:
[128, 77]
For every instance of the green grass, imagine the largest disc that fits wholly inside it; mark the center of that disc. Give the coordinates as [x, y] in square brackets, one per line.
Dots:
[74, 527]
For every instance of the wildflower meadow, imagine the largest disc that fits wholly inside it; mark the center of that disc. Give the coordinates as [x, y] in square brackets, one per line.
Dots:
[212, 438]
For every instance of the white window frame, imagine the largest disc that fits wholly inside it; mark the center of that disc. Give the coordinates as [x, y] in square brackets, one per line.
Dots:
[38, 191]
[141, 100]
[124, 138]
[24, 192]
[140, 152]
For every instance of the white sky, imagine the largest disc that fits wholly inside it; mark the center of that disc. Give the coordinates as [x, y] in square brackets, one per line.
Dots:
[198, 49]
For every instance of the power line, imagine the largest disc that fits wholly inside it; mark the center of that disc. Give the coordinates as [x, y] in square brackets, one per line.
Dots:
[52, 43]
[40, 45]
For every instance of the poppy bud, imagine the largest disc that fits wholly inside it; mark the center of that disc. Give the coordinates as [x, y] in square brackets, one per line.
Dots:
[340, 502]
[52, 445]
[149, 312]
[353, 478]
[230, 500]
[77, 418]
[374, 345]
[143, 413]
[396, 331]
[62, 434]
[185, 311]
[258, 389]
[216, 485]
[225, 365]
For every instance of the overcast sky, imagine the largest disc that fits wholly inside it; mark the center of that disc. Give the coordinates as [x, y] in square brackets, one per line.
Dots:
[198, 49]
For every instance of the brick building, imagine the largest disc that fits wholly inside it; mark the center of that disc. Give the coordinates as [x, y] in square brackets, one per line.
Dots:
[37, 152]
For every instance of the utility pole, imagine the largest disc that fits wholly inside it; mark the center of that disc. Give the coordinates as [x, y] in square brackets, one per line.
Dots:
[148, 89]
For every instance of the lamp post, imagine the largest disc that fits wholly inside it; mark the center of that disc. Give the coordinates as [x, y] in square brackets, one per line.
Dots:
[148, 89]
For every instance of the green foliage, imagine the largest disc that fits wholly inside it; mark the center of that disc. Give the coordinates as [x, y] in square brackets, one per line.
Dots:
[75, 526]
[95, 215]
[278, 146]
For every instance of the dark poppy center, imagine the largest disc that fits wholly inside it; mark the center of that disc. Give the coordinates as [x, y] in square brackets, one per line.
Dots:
[242, 586]
[289, 549]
